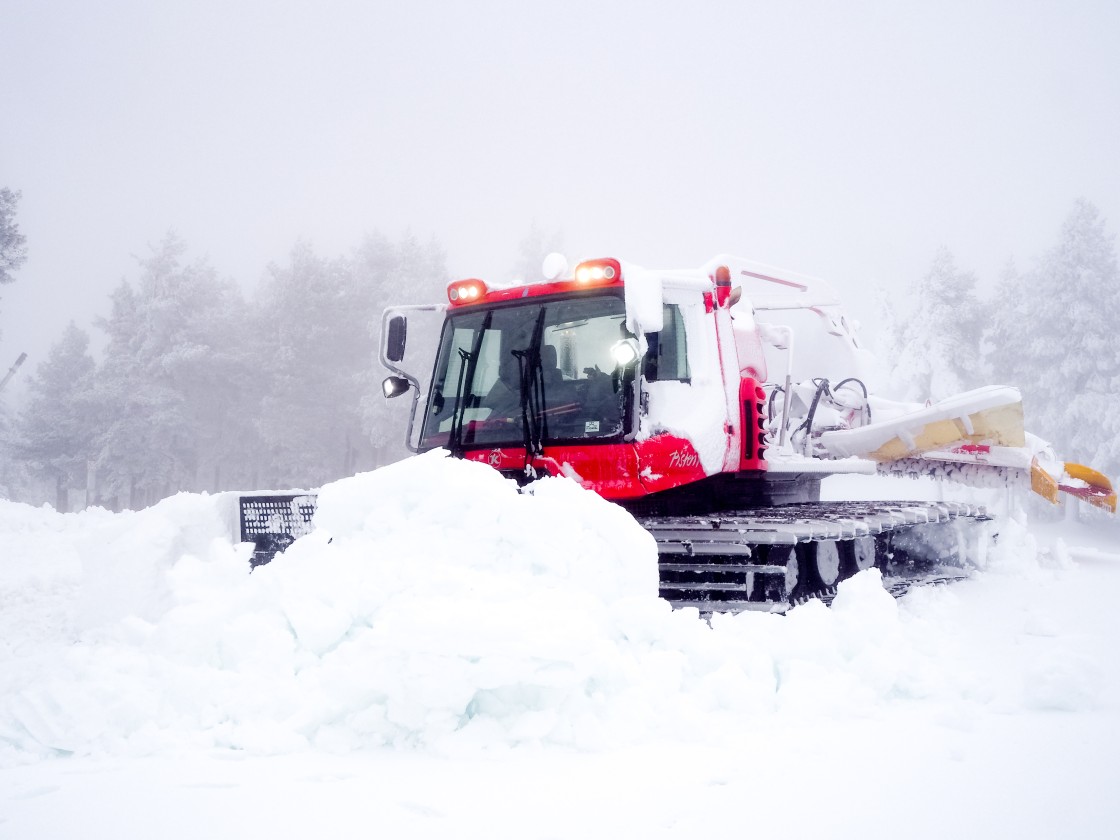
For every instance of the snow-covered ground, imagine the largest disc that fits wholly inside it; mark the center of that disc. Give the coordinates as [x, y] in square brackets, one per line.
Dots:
[446, 657]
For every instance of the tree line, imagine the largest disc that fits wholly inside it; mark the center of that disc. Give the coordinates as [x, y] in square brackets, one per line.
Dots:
[1052, 330]
[200, 388]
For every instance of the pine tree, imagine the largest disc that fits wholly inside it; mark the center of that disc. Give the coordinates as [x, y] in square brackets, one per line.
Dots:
[1002, 358]
[312, 325]
[13, 249]
[1058, 341]
[13, 244]
[170, 388]
[7, 463]
[56, 430]
[934, 351]
[317, 325]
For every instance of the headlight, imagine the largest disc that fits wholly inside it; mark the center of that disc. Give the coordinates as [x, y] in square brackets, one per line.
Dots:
[625, 352]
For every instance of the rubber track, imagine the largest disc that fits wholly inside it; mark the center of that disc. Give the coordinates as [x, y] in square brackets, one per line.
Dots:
[739, 560]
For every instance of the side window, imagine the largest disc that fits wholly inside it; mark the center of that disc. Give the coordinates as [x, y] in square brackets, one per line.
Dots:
[667, 359]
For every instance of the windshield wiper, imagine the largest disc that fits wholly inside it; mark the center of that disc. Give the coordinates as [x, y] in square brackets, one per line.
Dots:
[531, 383]
[468, 362]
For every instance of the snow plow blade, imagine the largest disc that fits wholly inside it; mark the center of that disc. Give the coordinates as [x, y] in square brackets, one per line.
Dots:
[969, 435]
[988, 416]
[1077, 480]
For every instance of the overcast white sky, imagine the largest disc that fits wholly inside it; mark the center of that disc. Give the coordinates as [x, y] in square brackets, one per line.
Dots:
[847, 140]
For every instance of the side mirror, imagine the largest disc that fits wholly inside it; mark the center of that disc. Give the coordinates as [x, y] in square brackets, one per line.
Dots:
[395, 341]
[394, 386]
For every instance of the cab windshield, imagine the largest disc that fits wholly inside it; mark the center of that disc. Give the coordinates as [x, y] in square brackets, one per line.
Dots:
[540, 371]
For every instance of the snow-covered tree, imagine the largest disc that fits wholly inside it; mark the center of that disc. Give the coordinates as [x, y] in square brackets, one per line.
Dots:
[313, 342]
[933, 346]
[56, 431]
[317, 327]
[9, 463]
[1057, 339]
[1003, 335]
[13, 250]
[171, 383]
[199, 391]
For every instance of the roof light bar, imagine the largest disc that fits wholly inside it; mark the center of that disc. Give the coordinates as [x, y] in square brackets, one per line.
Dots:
[598, 271]
[465, 291]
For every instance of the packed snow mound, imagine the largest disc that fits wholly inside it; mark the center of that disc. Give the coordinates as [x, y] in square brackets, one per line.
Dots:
[430, 593]
[435, 606]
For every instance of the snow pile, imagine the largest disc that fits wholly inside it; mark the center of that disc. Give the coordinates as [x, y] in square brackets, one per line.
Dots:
[436, 607]
[432, 593]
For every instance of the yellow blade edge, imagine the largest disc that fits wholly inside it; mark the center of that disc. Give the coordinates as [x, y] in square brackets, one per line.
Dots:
[1089, 475]
[1044, 484]
[1104, 502]
[1099, 492]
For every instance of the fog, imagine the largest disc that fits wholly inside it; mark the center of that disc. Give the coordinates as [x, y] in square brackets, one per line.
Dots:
[843, 140]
